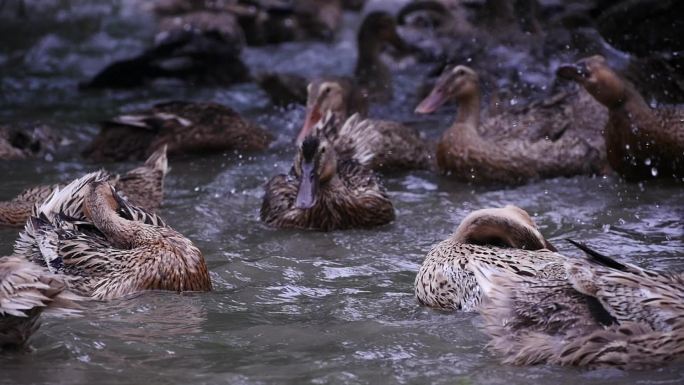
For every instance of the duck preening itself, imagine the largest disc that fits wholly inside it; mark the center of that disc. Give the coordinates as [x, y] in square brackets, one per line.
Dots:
[504, 237]
[106, 247]
[597, 312]
[466, 154]
[142, 186]
[26, 291]
[641, 142]
[326, 192]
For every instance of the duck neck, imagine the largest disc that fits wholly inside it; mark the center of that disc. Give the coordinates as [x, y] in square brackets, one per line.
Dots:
[469, 110]
[369, 65]
[119, 231]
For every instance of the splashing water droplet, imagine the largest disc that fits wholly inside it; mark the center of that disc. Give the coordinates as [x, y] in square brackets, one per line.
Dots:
[654, 171]
[647, 161]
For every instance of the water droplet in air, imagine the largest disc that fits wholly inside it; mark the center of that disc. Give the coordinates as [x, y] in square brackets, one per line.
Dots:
[654, 171]
[647, 161]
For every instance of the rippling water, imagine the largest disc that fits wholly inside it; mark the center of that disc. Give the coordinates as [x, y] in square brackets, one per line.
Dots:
[288, 306]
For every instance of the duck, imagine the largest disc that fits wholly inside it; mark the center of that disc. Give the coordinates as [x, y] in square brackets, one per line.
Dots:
[27, 291]
[325, 192]
[190, 55]
[105, 247]
[184, 127]
[463, 153]
[142, 186]
[395, 146]
[505, 237]
[601, 313]
[372, 79]
[26, 142]
[642, 142]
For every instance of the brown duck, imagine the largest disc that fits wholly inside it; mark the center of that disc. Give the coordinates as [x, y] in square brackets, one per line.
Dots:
[26, 291]
[642, 142]
[394, 146]
[372, 77]
[324, 192]
[143, 187]
[464, 153]
[597, 312]
[184, 127]
[105, 247]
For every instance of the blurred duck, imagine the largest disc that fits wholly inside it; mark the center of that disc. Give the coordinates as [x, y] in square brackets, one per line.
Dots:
[184, 127]
[143, 187]
[466, 154]
[25, 142]
[193, 55]
[372, 77]
[394, 145]
[503, 237]
[26, 291]
[642, 142]
[107, 248]
[326, 191]
[598, 312]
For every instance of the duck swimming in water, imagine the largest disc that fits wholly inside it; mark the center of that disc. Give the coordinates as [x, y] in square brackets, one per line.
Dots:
[184, 127]
[642, 142]
[326, 192]
[143, 187]
[394, 146]
[503, 237]
[107, 248]
[26, 291]
[465, 154]
[598, 312]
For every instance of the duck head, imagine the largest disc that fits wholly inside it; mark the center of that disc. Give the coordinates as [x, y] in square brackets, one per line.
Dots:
[377, 29]
[315, 165]
[322, 97]
[455, 83]
[594, 74]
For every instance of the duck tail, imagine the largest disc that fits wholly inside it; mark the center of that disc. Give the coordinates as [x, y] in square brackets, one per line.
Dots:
[357, 138]
[158, 160]
[509, 226]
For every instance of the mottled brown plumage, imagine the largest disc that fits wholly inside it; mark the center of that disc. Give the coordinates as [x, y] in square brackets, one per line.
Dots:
[185, 127]
[394, 146]
[467, 155]
[108, 248]
[642, 142]
[505, 237]
[26, 291]
[599, 312]
[143, 187]
[325, 193]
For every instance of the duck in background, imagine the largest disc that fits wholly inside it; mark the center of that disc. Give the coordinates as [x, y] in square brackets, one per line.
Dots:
[372, 77]
[27, 291]
[467, 155]
[394, 145]
[26, 142]
[184, 127]
[326, 190]
[597, 312]
[142, 186]
[503, 237]
[642, 142]
[107, 248]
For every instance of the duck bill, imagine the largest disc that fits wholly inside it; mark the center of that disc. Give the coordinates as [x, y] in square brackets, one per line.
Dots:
[308, 187]
[574, 72]
[432, 102]
[313, 116]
